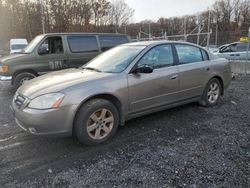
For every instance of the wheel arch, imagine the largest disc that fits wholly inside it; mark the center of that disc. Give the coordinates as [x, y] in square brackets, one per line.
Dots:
[23, 71]
[111, 98]
[221, 82]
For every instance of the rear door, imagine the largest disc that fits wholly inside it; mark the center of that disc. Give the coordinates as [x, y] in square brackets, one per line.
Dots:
[148, 91]
[194, 70]
[82, 48]
[53, 57]
[241, 51]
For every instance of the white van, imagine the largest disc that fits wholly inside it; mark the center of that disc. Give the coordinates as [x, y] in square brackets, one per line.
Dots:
[16, 45]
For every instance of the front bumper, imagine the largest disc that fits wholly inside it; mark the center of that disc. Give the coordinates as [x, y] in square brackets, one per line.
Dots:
[57, 121]
[5, 81]
[5, 78]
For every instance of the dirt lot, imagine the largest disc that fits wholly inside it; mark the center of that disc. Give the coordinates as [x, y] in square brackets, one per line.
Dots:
[188, 146]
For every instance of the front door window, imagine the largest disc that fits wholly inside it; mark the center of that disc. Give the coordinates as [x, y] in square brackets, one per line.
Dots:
[51, 45]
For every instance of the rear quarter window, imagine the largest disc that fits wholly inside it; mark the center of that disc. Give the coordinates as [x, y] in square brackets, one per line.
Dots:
[204, 55]
[81, 44]
[108, 42]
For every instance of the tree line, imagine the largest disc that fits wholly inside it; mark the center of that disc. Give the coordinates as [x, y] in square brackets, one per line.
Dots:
[24, 18]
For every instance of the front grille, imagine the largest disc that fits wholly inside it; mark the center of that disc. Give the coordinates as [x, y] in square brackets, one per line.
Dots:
[19, 100]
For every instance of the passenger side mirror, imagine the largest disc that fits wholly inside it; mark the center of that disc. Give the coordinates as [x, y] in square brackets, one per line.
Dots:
[143, 69]
[43, 50]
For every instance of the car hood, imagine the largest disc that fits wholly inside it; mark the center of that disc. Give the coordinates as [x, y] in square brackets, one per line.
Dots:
[11, 57]
[58, 81]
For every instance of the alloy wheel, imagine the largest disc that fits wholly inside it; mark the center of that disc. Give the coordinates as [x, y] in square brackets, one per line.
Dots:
[213, 92]
[100, 124]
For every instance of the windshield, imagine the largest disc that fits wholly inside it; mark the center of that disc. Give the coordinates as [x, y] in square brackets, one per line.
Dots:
[18, 46]
[115, 60]
[33, 44]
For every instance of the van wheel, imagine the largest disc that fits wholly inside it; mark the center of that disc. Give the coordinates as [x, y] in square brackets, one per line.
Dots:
[96, 122]
[21, 78]
[212, 93]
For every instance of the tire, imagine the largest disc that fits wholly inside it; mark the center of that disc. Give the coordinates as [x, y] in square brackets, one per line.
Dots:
[20, 78]
[90, 127]
[212, 93]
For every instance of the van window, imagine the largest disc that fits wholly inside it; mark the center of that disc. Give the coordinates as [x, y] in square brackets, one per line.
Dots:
[18, 46]
[52, 45]
[108, 42]
[188, 53]
[33, 44]
[80, 44]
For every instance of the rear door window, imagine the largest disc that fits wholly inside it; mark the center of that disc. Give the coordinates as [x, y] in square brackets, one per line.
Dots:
[188, 53]
[81, 44]
[108, 42]
[241, 47]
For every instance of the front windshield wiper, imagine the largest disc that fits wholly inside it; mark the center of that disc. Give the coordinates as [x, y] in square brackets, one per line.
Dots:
[91, 68]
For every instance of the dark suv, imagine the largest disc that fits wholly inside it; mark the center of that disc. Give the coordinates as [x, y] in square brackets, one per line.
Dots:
[57, 51]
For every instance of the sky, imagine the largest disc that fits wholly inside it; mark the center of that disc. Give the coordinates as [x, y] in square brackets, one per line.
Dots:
[154, 9]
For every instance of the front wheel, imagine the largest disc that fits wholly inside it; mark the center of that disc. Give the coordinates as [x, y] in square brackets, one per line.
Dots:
[212, 93]
[21, 78]
[96, 122]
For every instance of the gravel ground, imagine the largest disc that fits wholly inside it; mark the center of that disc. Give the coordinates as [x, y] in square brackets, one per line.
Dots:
[188, 146]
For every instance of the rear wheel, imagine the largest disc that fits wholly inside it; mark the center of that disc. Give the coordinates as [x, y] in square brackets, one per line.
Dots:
[211, 93]
[21, 78]
[96, 122]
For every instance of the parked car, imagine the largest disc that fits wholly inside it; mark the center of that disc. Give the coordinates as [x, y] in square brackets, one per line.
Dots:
[212, 48]
[53, 52]
[125, 82]
[234, 51]
[17, 45]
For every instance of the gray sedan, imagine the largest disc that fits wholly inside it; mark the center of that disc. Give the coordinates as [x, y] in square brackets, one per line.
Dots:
[125, 82]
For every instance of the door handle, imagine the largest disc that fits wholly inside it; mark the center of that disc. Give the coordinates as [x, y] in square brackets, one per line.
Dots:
[231, 54]
[174, 77]
[208, 69]
[237, 54]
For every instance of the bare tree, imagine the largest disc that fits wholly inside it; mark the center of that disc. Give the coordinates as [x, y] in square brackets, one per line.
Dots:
[120, 13]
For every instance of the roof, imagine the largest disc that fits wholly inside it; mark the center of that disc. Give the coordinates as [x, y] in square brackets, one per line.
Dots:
[18, 41]
[152, 43]
[84, 34]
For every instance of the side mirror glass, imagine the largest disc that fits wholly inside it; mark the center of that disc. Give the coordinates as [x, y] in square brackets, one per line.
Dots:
[43, 50]
[143, 69]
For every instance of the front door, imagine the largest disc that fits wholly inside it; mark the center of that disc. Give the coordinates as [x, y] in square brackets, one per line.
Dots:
[52, 55]
[148, 91]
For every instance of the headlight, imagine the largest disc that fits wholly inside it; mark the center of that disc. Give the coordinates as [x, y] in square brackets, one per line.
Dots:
[48, 101]
[4, 68]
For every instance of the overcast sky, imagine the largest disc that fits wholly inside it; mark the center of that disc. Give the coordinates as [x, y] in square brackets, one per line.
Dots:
[154, 9]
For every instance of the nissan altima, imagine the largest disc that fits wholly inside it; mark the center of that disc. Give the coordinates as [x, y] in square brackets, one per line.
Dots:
[125, 82]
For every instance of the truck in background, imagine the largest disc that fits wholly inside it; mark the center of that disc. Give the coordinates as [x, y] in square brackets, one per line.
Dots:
[53, 52]
[17, 45]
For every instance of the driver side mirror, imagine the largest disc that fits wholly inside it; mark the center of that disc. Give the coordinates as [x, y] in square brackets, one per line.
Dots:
[43, 50]
[143, 69]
